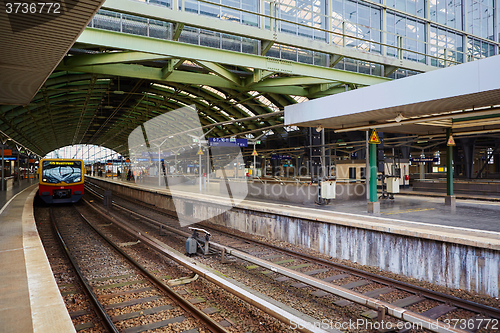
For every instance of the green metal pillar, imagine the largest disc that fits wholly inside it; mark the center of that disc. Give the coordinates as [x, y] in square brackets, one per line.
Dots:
[373, 172]
[449, 165]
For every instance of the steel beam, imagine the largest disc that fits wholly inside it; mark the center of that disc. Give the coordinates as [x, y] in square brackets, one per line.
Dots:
[268, 36]
[110, 58]
[291, 81]
[221, 71]
[189, 51]
[152, 73]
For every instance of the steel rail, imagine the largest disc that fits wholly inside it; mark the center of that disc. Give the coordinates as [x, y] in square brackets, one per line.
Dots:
[186, 305]
[427, 293]
[430, 294]
[88, 290]
[375, 304]
[269, 308]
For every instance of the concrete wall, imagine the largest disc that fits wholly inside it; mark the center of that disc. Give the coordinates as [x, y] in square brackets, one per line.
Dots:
[443, 263]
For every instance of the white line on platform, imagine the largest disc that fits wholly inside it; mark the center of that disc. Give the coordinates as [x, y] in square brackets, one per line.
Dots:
[8, 202]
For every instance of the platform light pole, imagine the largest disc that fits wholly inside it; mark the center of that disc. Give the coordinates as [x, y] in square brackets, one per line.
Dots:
[159, 160]
[3, 164]
[201, 139]
[256, 141]
[19, 164]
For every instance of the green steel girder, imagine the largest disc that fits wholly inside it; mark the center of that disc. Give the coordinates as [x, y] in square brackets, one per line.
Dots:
[189, 51]
[290, 81]
[220, 71]
[267, 37]
[84, 108]
[186, 100]
[20, 134]
[152, 73]
[172, 64]
[72, 101]
[110, 58]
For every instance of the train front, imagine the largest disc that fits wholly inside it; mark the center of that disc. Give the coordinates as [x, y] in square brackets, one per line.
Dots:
[61, 180]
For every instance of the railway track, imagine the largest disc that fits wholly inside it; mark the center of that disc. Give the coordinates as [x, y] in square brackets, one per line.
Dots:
[114, 281]
[473, 317]
[77, 302]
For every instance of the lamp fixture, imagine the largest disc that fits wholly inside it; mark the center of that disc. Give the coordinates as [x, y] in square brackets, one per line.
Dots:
[399, 117]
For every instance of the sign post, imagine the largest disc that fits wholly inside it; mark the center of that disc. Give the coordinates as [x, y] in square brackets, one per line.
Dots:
[227, 142]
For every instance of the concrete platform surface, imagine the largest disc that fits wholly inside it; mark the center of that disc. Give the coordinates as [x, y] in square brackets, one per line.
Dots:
[472, 223]
[30, 300]
[6, 195]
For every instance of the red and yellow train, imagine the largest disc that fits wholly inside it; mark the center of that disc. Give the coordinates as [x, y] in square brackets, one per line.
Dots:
[61, 180]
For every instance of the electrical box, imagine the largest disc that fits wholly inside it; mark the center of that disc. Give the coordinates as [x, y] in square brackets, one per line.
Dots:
[328, 189]
[191, 246]
[392, 184]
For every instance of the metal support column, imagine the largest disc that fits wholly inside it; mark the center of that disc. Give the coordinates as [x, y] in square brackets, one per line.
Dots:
[323, 155]
[373, 205]
[449, 165]
[422, 167]
[254, 172]
[373, 172]
[19, 165]
[159, 166]
[208, 166]
[3, 166]
[367, 168]
[450, 198]
[199, 166]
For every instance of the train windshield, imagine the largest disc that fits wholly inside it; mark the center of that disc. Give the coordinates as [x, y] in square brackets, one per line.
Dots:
[62, 171]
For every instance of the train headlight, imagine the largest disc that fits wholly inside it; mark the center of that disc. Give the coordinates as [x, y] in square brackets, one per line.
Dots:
[78, 179]
[45, 179]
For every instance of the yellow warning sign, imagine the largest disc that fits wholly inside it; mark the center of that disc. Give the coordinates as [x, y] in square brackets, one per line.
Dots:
[255, 153]
[451, 141]
[374, 138]
[200, 152]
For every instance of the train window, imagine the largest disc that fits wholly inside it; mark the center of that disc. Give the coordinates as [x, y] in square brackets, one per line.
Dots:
[61, 171]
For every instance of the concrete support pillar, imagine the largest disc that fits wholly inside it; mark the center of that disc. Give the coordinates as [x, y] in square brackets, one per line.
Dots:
[450, 198]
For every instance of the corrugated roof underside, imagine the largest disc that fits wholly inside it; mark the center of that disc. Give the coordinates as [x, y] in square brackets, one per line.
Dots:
[28, 57]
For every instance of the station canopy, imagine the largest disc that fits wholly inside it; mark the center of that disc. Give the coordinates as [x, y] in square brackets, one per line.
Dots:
[33, 43]
[465, 98]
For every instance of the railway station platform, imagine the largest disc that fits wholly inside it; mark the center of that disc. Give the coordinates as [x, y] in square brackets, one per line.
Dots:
[29, 298]
[414, 236]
